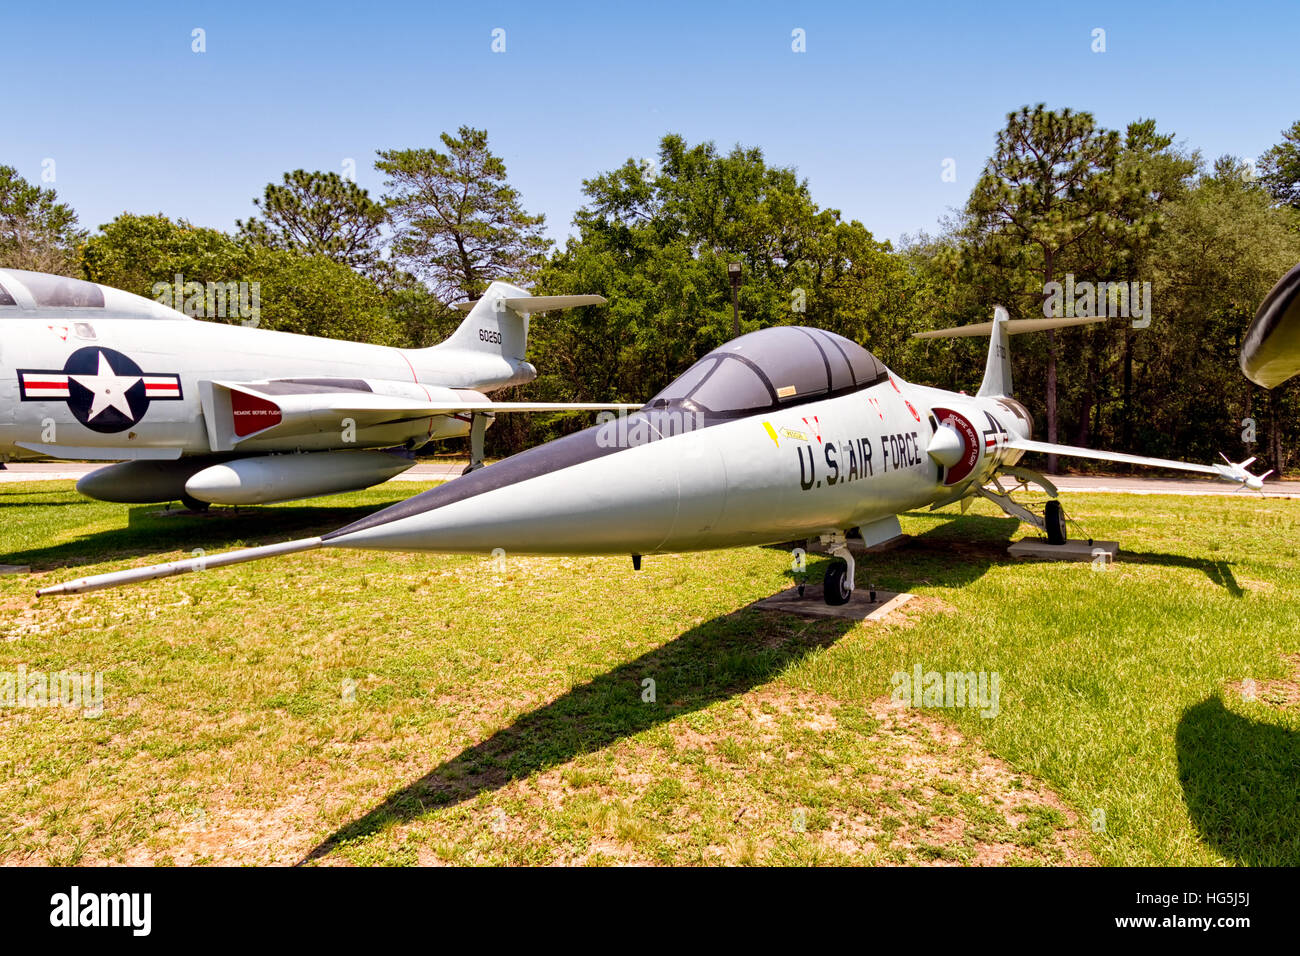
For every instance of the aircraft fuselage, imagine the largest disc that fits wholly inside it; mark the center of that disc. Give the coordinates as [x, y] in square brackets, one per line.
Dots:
[819, 467]
[126, 385]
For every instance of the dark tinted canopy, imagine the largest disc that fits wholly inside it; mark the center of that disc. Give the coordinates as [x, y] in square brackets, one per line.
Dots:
[772, 368]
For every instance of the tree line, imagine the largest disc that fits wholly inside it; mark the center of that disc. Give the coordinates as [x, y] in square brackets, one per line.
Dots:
[1182, 250]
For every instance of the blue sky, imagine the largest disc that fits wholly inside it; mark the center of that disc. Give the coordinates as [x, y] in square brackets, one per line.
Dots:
[136, 121]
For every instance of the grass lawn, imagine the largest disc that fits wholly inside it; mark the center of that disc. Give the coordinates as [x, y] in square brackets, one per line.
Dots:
[352, 707]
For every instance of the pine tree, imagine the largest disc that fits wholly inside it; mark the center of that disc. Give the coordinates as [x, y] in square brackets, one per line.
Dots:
[458, 224]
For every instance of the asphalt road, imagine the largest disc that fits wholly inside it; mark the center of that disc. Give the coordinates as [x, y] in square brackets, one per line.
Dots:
[434, 471]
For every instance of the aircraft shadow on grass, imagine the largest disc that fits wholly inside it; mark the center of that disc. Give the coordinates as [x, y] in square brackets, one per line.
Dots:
[963, 549]
[148, 532]
[716, 660]
[1241, 782]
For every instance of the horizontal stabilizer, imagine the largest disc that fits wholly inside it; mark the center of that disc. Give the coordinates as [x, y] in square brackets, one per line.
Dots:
[1012, 327]
[539, 303]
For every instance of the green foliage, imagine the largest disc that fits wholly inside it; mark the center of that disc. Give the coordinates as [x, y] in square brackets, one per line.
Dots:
[1051, 199]
[135, 252]
[656, 240]
[311, 295]
[37, 232]
[458, 224]
[1221, 249]
[1280, 168]
[315, 295]
[318, 214]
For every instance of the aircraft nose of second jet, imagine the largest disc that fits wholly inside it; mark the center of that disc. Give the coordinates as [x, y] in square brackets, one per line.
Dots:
[580, 494]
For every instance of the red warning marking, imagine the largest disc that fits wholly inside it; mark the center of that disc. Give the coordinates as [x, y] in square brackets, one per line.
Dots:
[251, 413]
[970, 439]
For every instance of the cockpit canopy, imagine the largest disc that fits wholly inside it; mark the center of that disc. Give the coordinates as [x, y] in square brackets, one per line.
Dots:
[770, 369]
[26, 295]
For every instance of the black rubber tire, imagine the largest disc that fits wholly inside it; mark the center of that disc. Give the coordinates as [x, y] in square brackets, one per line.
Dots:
[836, 586]
[1054, 520]
[193, 504]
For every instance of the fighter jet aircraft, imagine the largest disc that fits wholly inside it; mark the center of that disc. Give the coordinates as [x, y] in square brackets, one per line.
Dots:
[206, 412]
[787, 433]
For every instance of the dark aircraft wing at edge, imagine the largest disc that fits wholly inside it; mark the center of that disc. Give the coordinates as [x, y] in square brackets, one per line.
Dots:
[1270, 352]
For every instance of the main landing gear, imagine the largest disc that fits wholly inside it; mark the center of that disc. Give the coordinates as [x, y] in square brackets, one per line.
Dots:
[1052, 523]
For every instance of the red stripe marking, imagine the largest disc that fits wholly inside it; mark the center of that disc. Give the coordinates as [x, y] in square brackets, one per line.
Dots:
[416, 379]
[45, 384]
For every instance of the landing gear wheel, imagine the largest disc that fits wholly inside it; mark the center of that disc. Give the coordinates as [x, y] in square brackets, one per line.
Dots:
[1054, 522]
[193, 504]
[836, 585]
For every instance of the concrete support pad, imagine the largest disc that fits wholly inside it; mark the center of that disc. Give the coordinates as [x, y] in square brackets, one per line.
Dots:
[859, 608]
[14, 568]
[1040, 550]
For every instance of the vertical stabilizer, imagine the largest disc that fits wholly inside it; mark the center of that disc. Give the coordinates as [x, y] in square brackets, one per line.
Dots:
[997, 369]
[492, 325]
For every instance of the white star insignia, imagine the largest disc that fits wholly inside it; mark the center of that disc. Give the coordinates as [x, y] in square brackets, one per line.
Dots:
[109, 389]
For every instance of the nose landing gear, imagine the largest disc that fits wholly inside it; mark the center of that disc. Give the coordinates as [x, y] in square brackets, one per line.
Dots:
[837, 585]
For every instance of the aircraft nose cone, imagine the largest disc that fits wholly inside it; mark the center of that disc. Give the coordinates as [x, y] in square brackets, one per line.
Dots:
[946, 446]
[581, 494]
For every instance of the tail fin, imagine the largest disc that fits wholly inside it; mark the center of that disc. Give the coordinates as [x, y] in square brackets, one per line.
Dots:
[997, 368]
[498, 322]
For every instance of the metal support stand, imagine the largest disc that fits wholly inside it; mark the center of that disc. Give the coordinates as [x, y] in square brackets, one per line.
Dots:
[477, 433]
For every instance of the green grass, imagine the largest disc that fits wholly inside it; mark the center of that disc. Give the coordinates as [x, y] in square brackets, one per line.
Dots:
[368, 708]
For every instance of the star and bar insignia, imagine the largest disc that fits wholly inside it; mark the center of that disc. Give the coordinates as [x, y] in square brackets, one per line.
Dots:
[105, 390]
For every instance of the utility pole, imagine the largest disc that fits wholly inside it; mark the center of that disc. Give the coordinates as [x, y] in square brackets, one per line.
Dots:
[733, 273]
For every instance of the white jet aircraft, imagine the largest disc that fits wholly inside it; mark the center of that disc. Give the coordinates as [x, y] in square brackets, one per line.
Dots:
[210, 413]
[783, 434]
